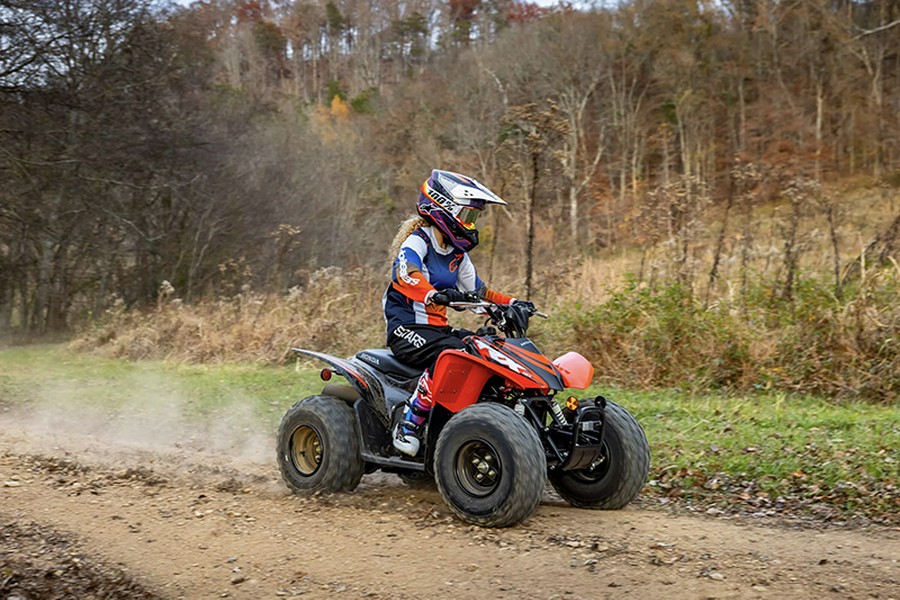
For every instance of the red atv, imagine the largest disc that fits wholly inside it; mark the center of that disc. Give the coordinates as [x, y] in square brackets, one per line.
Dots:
[496, 432]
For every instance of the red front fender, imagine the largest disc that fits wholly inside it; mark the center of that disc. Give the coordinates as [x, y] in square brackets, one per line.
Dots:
[575, 369]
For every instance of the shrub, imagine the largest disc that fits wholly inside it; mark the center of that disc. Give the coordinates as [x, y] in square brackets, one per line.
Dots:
[639, 336]
[812, 343]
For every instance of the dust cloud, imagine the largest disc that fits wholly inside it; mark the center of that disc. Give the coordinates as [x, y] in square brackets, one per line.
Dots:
[149, 418]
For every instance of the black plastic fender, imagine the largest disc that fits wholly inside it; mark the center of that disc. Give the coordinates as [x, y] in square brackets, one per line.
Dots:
[364, 382]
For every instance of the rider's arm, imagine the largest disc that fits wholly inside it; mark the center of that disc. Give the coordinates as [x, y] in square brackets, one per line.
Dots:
[497, 297]
[406, 275]
[469, 281]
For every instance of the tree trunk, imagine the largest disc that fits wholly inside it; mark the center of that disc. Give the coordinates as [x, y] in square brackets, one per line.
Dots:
[720, 243]
[529, 244]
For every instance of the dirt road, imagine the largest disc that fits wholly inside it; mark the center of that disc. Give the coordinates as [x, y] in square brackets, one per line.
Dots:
[83, 516]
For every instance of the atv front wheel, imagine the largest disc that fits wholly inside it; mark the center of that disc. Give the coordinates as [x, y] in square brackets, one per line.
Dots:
[617, 477]
[489, 466]
[318, 447]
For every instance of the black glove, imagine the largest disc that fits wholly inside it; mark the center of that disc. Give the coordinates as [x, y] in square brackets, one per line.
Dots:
[525, 304]
[445, 297]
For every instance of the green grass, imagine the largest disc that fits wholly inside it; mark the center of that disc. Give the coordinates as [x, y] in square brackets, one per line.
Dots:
[47, 373]
[749, 453]
[771, 451]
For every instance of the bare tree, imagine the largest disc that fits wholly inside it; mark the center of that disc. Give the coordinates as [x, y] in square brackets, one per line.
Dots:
[531, 135]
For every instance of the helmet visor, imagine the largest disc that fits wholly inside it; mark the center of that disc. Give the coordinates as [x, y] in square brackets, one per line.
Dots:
[467, 215]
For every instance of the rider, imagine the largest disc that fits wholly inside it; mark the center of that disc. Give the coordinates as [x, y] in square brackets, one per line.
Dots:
[431, 269]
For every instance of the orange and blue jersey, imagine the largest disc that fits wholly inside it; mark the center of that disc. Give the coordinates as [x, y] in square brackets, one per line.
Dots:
[420, 270]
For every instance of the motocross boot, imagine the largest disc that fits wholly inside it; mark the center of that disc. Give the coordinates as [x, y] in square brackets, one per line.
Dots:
[406, 433]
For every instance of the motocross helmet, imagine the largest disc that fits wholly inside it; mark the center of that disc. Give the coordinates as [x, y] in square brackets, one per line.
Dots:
[452, 203]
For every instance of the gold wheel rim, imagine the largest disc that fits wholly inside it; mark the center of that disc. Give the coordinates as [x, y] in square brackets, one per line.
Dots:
[306, 450]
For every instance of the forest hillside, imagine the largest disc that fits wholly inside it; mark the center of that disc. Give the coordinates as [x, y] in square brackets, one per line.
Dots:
[704, 193]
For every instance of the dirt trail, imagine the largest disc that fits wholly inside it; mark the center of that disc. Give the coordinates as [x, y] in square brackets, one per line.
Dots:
[179, 523]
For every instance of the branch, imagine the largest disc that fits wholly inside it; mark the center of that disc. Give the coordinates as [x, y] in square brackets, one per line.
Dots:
[38, 163]
[132, 225]
[877, 29]
[128, 184]
[496, 80]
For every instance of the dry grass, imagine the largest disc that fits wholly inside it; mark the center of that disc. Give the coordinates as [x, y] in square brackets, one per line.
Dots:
[646, 317]
[336, 311]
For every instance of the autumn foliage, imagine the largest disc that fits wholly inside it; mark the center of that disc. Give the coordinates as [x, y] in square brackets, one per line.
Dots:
[741, 152]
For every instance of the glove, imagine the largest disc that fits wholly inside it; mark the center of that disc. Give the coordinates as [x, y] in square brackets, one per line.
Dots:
[526, 305]
[445, 297]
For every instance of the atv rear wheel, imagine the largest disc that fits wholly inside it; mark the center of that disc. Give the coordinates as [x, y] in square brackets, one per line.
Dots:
[318, 447]
[617, 479]
[490, 466]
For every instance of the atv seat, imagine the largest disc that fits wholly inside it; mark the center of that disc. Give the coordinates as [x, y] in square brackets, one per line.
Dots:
[386, 362]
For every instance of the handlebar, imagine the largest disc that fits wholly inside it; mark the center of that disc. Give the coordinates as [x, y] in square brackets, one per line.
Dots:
[511, 319]
[485, 304]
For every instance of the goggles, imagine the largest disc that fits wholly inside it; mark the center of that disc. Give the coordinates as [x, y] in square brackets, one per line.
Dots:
[467, 216]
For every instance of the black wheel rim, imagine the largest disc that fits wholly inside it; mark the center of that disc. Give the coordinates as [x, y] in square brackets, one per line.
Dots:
[478, 468]
[306, 450]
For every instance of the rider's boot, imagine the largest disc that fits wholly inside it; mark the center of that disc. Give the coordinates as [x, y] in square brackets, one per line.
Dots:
[407, 431]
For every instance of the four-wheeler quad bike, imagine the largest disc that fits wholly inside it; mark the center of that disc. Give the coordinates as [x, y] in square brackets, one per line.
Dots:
[494, 436]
